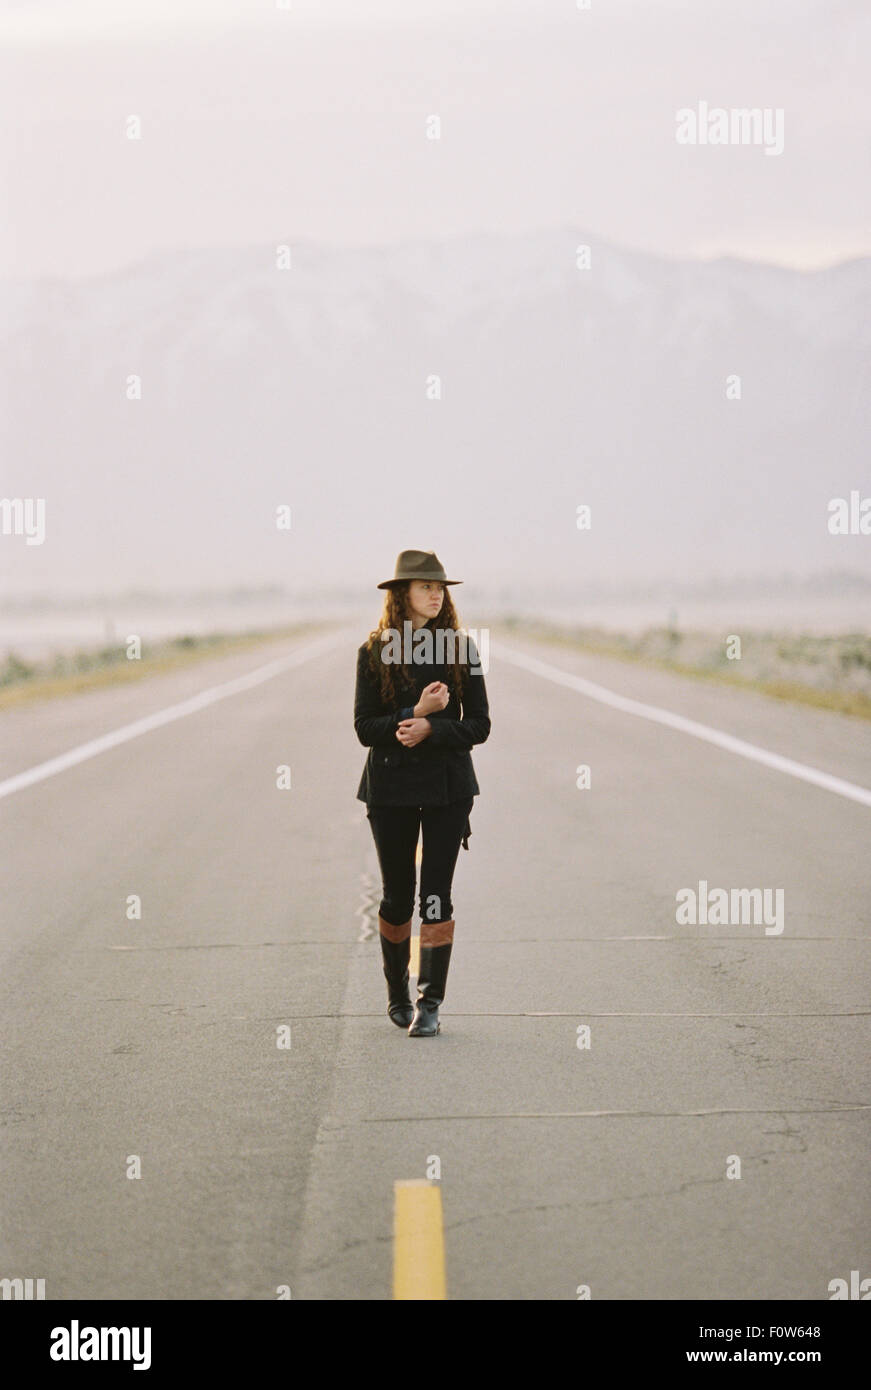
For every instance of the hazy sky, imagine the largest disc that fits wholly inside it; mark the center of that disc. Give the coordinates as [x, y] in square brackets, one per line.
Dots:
[265, 124]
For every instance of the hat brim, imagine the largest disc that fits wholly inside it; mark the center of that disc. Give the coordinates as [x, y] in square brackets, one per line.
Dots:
[389, 583]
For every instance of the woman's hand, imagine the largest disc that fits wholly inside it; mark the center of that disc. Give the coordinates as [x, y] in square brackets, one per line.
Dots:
[413, 731]
[434, 697]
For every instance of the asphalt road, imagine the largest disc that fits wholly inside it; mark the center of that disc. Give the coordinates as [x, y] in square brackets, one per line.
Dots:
[560, 1167]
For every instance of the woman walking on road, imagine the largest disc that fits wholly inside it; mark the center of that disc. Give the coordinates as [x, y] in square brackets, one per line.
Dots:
[420, 704]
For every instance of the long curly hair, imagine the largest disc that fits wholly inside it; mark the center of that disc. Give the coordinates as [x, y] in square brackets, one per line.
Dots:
[395, 611]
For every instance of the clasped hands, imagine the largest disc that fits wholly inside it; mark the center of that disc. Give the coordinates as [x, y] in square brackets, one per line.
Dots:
[413, 731]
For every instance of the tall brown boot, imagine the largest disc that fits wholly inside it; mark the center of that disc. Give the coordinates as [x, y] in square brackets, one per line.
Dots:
[436, 942]
[395, 955]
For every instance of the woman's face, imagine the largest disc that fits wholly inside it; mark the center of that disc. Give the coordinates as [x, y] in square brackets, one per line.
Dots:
[425, 597]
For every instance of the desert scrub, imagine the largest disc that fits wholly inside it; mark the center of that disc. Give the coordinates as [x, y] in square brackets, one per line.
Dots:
[67, 672]
[830, 672]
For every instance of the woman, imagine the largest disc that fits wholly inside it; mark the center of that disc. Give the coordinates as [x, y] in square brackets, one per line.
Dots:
[420, 704]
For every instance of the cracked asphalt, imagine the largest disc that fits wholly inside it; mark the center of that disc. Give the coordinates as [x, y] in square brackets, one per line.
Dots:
[261, 1166]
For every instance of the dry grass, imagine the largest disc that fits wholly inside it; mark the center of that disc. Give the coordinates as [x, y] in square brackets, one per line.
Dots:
[22, 683]
[827, 672]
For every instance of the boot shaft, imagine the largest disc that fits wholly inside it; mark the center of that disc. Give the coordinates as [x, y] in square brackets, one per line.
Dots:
[395, 957]
[433, 974]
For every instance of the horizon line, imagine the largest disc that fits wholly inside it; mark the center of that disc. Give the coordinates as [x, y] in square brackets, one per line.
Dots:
[487, 234]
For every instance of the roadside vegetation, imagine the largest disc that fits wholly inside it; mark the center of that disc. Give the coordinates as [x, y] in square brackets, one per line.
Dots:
[832, 672]
[68, 672]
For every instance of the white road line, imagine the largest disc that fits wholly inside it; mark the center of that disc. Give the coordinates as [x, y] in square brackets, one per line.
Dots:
[607, 1114]
[170, 713]
[754, 754]
[577, 1013]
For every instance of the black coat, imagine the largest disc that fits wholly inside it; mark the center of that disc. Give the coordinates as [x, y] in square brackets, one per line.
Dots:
[438, 769]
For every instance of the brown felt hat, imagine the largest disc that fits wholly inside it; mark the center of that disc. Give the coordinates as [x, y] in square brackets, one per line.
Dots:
[417, 564]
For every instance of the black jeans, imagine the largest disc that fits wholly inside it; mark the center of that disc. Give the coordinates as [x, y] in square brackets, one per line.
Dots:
[395, 830]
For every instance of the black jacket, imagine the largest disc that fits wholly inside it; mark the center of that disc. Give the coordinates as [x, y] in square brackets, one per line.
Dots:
[439, 769]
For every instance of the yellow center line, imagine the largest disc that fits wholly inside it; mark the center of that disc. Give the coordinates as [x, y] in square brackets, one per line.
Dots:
[418, 1241]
